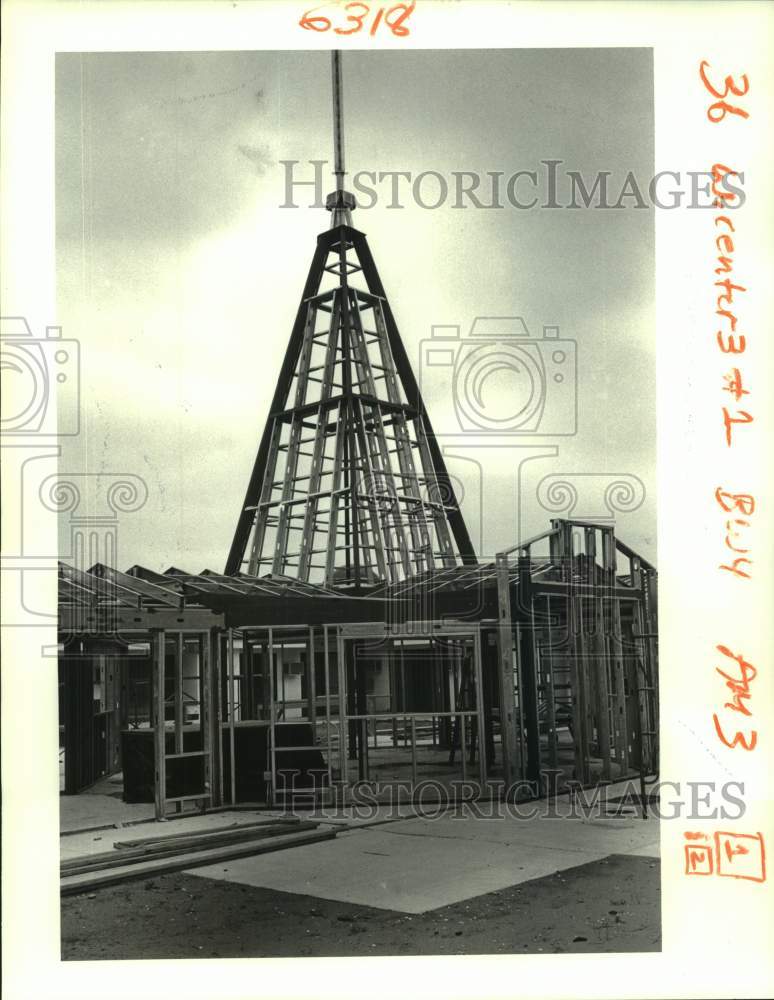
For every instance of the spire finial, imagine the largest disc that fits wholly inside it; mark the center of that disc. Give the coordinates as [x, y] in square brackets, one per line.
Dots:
[340, 202]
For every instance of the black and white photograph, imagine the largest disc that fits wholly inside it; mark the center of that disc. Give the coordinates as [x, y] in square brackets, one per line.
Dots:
[382, 560]
[384, 536]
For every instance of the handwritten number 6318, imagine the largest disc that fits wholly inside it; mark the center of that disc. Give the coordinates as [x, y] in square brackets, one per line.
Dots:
[357, 16]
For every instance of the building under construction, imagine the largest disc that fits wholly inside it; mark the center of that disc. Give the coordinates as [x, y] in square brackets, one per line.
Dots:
[354, 639]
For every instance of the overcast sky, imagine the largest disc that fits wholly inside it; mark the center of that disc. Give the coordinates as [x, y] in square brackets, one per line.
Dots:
[180, 273]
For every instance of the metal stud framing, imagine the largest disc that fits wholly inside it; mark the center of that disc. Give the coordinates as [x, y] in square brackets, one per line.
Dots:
[349, 487]
[590, 626]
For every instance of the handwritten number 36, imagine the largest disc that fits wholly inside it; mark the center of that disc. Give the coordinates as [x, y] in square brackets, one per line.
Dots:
[356, 15]
[718, 111]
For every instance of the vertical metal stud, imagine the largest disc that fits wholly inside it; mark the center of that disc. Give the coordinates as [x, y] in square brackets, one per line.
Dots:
[231, 712]
[159, 732]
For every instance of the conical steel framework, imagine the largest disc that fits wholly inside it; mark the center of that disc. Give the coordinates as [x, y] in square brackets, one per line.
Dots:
[349, 487]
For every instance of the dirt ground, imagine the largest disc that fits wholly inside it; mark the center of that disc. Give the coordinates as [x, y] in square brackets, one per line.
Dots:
[613, 905]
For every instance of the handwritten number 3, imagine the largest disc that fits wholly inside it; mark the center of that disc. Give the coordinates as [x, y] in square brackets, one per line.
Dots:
[739, 738]
[718, 111]
[357, 18]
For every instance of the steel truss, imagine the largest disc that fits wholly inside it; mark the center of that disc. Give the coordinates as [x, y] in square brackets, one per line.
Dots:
[349, 487]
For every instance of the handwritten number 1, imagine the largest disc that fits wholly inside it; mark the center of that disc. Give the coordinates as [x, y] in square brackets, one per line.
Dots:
[377, 19]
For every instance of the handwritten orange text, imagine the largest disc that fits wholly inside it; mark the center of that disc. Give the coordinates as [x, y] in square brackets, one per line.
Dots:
[717, 112]
[359, 16]
[727, 294]
[739, 686]
[741, 506]
[727, 855]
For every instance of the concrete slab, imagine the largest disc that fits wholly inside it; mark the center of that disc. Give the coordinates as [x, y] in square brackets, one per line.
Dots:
[418, 864]
[374, 866]
[78, 812]
[97, 841]
[601, 837]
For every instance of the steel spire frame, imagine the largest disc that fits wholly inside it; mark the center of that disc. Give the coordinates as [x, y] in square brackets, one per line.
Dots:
[391, 508]
[349, 486]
